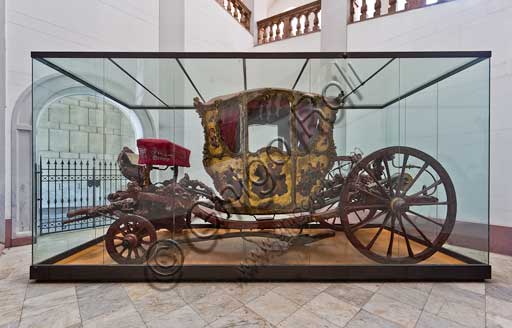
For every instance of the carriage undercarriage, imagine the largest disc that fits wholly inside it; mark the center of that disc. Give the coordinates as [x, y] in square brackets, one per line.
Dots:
[366, 198]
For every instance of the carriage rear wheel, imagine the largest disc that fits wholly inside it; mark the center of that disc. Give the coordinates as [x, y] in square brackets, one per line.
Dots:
[414, 202]
[128, 239]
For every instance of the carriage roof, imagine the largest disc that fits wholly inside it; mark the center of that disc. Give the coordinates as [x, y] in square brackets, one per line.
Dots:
[261, 91]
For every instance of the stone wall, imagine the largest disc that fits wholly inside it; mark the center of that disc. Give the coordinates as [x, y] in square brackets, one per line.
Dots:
[83, 127]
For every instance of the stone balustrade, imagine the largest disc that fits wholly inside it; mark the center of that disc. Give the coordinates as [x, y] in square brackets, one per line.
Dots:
[238, 10]
[361, 10]
[298, 21]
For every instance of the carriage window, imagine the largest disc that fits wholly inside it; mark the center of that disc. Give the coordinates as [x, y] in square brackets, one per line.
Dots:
[229, 124]
[306, 121]
[260, 136]
[268, 122]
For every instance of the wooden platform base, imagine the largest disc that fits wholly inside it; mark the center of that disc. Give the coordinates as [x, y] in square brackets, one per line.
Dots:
[336, 250]
[245, 259]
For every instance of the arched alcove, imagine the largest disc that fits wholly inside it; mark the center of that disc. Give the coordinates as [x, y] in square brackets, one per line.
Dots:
[84, 127]
[29, 109]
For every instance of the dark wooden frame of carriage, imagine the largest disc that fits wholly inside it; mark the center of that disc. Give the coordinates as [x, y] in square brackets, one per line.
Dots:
[480, 56]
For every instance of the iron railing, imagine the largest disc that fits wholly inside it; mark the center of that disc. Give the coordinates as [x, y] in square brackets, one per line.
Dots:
[64, 185]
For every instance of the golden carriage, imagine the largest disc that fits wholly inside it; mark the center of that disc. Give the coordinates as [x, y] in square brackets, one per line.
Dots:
[281, 176]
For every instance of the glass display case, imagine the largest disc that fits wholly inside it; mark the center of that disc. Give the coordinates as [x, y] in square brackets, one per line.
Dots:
[261, 166]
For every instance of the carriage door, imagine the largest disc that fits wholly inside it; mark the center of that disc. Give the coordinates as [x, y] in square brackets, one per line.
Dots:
[268, 161]
[312, 147]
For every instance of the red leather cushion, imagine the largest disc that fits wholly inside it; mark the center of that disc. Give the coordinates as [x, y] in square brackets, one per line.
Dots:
[162, 152]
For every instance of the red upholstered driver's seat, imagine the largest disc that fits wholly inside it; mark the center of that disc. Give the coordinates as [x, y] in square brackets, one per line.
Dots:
[161, 152]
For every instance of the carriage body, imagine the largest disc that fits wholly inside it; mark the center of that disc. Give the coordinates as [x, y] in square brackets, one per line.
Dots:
[282, 176]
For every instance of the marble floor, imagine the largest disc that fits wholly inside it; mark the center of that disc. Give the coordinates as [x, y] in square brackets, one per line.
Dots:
[352, 305]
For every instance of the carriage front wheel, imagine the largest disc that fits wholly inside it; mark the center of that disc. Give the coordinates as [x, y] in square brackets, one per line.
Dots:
[414, 202]
[128, 239]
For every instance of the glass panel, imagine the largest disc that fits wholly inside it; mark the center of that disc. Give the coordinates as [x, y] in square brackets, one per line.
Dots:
[128, 80]
[449, 122]
[366, 80]
[464, 150]
[212, 77]
[274, 73]
[72, 167]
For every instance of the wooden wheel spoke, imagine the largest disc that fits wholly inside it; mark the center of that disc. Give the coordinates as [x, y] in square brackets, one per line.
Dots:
[425, 218]
[330, 206]
[382, 189]
[366, 221]
[416, 177]
[123, 250]
[358, 217]
[374, 239]
[402, 173]
[143, 249]
[136, 251]
[435, 184]
[429, 243]
[409, 248]
[391, 238]
[388, 173]
[141, 233]
[130, 253]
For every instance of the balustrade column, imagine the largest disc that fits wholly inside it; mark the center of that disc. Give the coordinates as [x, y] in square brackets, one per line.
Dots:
[240, 13]
[306, 23]
[229, 8]
[352, 19]
[287, 28]
[239, 10]
[278, 31]
[378, 6]
[392, 6]
[364, 10]
[274, 32]
[268, 33]
[234, 13]
[246, 21]
[316, 21]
